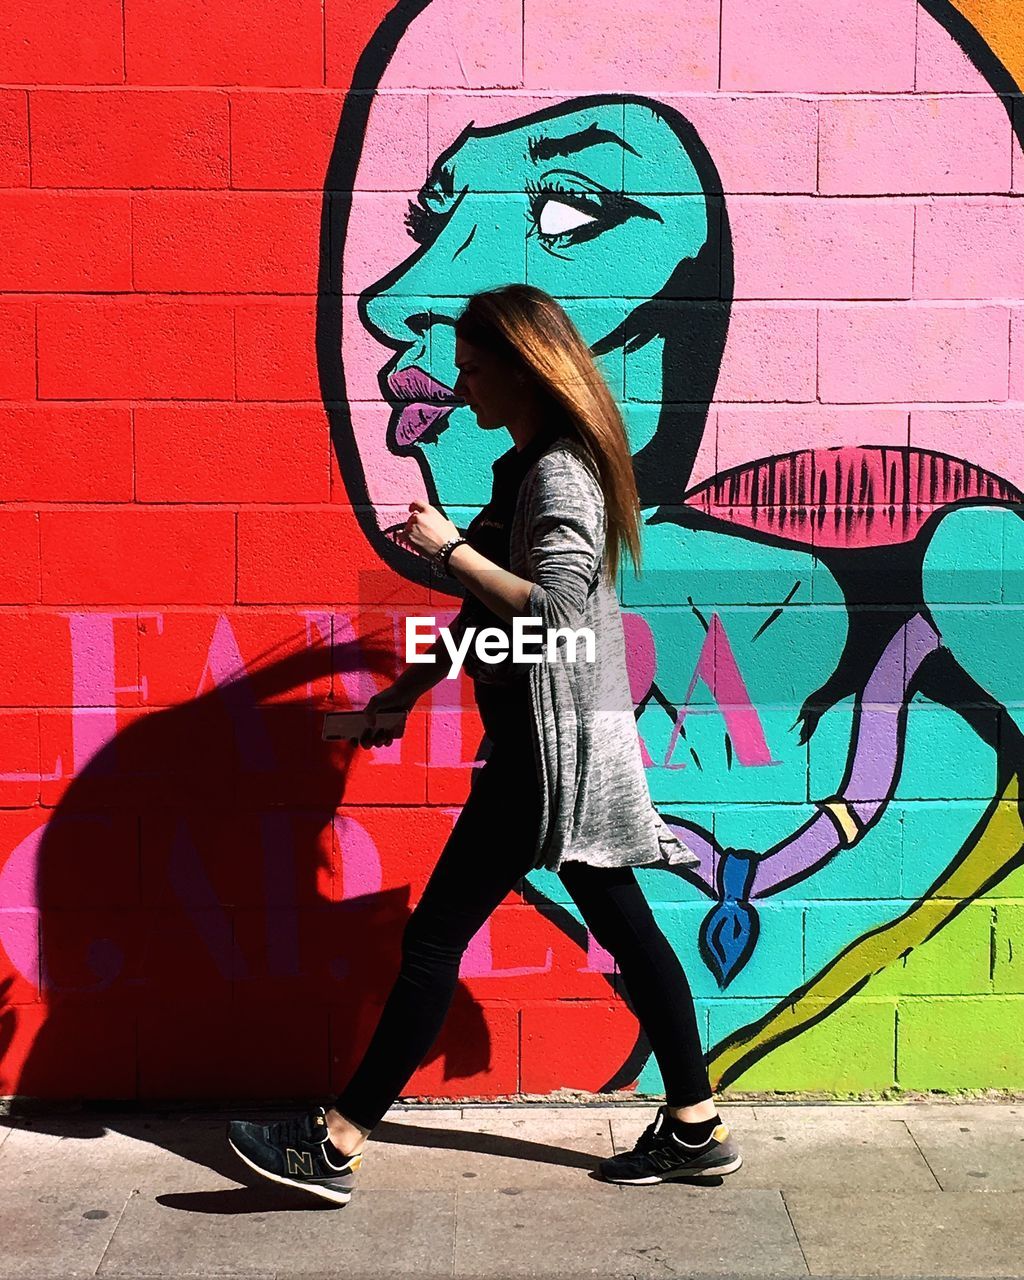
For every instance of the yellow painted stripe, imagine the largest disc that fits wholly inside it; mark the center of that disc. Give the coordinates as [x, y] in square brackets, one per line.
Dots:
[843, 815]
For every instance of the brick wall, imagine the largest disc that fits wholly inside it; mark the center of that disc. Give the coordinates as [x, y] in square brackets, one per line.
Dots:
[206, 267]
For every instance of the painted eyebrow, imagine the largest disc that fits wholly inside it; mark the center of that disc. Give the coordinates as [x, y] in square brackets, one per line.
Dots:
[541, 148]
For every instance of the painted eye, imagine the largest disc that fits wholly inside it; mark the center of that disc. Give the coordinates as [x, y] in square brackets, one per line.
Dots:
[557, 218]
[562, 217]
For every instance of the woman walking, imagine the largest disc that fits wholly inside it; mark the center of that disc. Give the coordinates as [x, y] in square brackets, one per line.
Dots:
[564, 786]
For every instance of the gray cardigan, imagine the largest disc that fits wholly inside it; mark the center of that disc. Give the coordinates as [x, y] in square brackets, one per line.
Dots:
[597, 807]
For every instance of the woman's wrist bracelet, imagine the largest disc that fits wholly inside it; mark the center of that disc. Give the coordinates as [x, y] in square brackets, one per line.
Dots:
[443, 554]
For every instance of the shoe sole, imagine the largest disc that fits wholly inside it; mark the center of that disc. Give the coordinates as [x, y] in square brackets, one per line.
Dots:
[715, 1171]
[326, 1193]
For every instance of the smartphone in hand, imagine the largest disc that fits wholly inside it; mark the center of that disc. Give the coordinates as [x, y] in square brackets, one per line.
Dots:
[339, 725]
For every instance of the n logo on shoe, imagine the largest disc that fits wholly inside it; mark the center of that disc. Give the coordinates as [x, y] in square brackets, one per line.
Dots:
[299, 1162]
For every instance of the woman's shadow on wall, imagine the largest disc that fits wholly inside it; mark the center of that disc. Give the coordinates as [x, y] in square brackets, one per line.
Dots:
[198, 934]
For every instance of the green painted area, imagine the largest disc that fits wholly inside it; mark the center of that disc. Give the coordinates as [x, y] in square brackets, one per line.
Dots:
[971, 575]
[851, 1050]
[769, 647]
[1008, 947]
[958, 1001]
[961, 1042]
[956, 961]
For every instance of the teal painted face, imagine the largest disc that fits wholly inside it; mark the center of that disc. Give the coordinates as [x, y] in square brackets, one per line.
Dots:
[596, 204]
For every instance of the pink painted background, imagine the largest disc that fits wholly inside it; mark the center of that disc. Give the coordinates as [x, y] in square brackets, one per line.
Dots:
[868, 170]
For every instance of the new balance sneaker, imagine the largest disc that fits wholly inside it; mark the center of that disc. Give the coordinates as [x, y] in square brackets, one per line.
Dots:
[660, 1155]
[297, 1153]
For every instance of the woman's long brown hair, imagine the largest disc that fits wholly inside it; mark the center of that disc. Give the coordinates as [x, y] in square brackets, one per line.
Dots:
[531, 330]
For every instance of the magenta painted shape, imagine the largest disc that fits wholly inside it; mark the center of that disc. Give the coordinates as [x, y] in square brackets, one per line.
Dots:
[225, 669]
[804, 496]
[204, 909]
[641, 660]
[478, 960]
[361, 871]
[19, 903]
[718, 668]
[93, 686]
[598, 959]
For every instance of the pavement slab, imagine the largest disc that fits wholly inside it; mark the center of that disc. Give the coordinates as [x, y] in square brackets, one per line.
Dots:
[55, 1231]
[916, 1233]
[534, 1148]
[625, 1231]
[129, 1155]
[974, 1148]
[266, 1232]
[810, 1148]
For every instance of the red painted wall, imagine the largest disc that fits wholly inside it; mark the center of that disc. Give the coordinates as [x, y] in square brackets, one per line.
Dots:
[197, 896]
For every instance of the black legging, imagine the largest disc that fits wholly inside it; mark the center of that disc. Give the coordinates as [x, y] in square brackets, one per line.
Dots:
[489, 849]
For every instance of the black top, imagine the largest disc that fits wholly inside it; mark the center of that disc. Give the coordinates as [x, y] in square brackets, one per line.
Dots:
[490, 532]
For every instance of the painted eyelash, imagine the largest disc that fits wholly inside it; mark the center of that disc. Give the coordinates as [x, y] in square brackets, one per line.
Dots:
[554, 187]
[420, 222]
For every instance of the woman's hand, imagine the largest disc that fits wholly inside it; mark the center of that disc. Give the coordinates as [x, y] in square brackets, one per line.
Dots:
[426, 530]
[393, 698]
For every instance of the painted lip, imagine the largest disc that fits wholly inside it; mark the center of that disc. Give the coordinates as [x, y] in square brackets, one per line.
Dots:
[422, 403]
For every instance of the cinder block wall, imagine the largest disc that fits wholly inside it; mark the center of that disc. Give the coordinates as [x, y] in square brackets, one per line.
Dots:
[792, 234]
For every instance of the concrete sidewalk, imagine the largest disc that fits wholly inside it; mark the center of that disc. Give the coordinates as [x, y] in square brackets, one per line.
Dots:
[922, 1189]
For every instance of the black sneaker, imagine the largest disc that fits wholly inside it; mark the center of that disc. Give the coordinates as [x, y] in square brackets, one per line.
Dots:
[660, 1155]
[297, 1153]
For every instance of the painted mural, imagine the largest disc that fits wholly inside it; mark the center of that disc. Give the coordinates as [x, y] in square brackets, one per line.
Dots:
[791, 234]
[772, 259]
